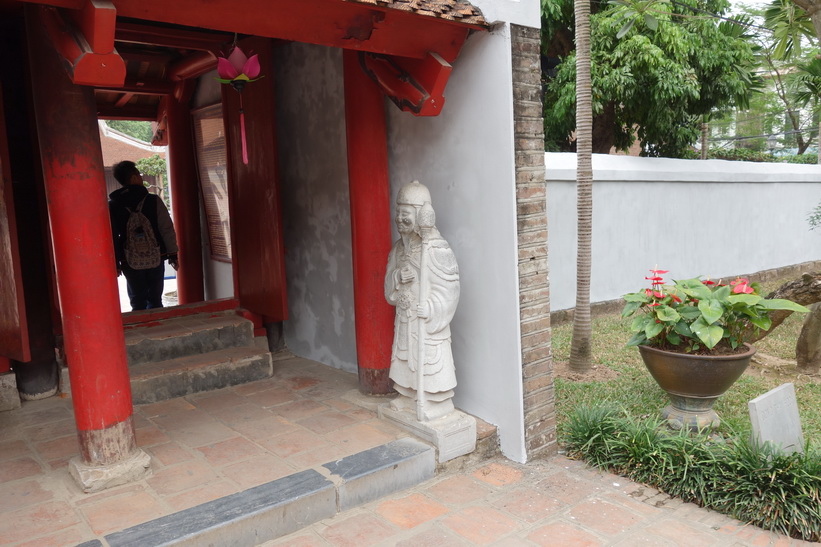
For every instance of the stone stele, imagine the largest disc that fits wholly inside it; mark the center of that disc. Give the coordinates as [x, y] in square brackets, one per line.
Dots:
[775, 419]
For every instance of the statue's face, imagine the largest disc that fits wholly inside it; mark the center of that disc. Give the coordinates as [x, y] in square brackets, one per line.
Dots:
[405, 218]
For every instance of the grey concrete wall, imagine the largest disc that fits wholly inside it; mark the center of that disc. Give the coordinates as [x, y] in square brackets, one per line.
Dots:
[712, 218]
[316, 208]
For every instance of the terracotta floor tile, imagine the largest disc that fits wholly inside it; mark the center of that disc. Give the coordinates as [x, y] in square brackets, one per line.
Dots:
[292, 443]
[297, 383]
[169, 453]
[166, 408]
[203, 434]
[37, 520]
[70, 536]
[459, 489]
[357, 531]
[179, 477]
[498, 474]
[566, 487]
[240, 414]
[318, 456]
[230, 451]
[58, 448]
[258, 470]
[529, 504]
[120, 513]
[13, 450]
[411, 511]
[340, 404]
[204, 494]
[272, 397]
[327, 422]
[176, 421]
[21, 468]
[265, 428]
[563, 533]
[433, 536]
[50, 431]
[604, 517]
[359, 437]
[150, 435]
[298, 539]
[215, 400]
[480, 525]
[20, 494]
[298, 410]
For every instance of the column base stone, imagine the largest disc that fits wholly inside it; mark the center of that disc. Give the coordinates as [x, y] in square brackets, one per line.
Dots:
[453, 435]
[9, 396]
[94, 478]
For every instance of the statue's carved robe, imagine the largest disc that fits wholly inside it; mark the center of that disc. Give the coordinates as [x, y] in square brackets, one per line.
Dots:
[442, 298]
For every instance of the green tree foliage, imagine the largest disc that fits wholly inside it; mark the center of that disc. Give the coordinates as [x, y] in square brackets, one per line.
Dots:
[139, 130]
[658, 67]
[154, 166]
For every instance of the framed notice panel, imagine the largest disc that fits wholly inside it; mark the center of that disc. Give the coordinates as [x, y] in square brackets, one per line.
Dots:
[209, 135]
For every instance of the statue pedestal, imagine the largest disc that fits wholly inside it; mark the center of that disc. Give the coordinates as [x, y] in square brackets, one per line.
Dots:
[453, 435]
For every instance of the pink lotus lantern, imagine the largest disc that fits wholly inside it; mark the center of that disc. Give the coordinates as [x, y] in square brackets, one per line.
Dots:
[238, 69]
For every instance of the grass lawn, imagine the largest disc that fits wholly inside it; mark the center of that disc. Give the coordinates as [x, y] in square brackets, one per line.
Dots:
[636, 391]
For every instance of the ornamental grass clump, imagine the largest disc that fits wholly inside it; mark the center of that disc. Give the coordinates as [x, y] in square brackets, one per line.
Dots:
[702, 317]
[760, 485]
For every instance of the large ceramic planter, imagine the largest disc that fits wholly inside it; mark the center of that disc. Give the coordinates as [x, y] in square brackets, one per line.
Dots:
[693, 383]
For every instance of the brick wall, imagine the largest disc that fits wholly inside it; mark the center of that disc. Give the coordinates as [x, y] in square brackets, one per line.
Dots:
[534, 294]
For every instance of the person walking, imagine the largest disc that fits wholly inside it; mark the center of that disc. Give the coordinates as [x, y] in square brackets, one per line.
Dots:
[144, 237]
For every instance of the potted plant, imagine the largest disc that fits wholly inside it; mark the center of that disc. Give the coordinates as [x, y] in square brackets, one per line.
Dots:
[691, 334]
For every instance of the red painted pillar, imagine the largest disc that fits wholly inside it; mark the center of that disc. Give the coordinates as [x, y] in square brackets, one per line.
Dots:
[370, 224]
[184, 195]
[83, 254]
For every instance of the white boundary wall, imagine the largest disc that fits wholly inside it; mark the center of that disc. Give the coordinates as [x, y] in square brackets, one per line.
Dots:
[712, 218]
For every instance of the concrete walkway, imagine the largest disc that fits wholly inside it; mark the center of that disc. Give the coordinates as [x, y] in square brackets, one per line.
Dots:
[212, 451]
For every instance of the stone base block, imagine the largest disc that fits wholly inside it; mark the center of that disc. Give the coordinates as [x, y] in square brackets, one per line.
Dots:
[94, 478]
[453, 435]
[64, 381]
[9, 396]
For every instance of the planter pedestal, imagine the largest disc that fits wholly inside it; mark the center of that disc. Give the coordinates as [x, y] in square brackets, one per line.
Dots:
[694, 383]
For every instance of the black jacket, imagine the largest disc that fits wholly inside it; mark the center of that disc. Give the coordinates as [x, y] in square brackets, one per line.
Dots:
[153, 208]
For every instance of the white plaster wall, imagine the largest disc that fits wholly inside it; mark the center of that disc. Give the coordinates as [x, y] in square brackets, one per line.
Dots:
[316, 206]
[712, 218]
[466, 157]
[518, 12]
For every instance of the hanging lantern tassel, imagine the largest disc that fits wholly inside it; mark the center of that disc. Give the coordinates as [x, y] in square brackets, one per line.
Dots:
[242, 132]
[237, 69]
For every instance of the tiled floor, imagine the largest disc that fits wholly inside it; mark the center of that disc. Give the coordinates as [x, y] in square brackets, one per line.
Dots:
[202, 447]
[207, 446]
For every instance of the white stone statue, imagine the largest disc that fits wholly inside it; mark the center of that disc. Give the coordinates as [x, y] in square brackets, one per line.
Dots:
[422, 282]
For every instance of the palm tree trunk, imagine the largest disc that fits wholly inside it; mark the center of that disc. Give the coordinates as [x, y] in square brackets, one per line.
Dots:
[580, 349]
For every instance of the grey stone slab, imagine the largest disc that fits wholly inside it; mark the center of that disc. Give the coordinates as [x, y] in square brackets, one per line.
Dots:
[175, 338]
[377, 472]
[775, 419]
[250, 517]
[154, 382]
[92, 543]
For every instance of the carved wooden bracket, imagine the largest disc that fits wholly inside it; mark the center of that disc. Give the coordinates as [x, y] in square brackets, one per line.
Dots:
[85, 39]
[414, 85]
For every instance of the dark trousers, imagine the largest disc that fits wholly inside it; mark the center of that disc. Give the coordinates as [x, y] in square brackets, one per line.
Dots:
[145, 287]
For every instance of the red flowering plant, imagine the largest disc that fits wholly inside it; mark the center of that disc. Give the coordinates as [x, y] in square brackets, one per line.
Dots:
[695, 316]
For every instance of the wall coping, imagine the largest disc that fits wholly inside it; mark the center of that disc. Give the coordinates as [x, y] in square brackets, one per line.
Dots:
[561, 166]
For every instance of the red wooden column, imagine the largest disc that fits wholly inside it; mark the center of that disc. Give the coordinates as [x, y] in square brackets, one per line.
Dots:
[184, 195]
[84, 261]
[370, 224]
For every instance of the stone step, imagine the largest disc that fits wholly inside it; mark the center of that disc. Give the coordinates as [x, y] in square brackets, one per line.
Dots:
[288, 504]
[153, 382]
[191, 335]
